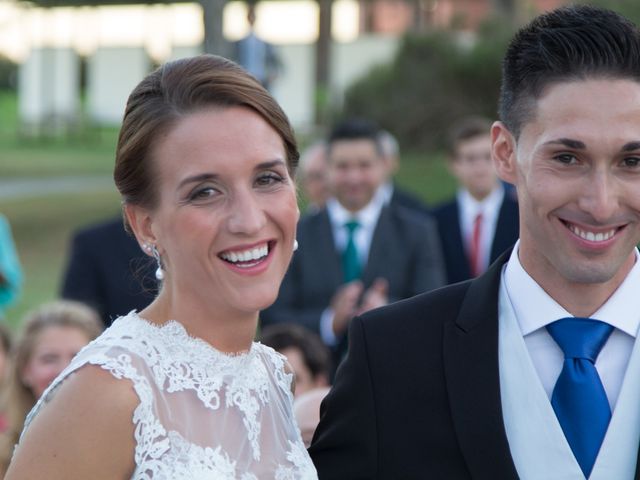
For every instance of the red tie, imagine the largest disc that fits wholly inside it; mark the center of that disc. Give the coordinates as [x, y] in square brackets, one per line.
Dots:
[474, 251]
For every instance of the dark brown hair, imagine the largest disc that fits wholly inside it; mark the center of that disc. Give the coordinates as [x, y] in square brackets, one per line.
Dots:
[465, 129]
[177, 89]
[570, 43]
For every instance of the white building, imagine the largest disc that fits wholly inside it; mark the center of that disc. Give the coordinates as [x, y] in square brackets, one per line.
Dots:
[121, 44]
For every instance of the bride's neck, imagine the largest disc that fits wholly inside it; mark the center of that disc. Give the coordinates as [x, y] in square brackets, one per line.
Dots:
[227, 331]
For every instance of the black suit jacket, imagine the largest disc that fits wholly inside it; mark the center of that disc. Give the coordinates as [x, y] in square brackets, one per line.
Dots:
[404, 250]
[107, 270]
[418, 396]
[456, 260]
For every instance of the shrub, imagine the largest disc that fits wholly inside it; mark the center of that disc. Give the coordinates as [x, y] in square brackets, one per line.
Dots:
[434, 80]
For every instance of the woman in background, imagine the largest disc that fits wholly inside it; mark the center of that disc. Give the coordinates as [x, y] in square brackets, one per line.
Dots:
[51, 336]
[10, 271]
[204, 163]
[6, 341]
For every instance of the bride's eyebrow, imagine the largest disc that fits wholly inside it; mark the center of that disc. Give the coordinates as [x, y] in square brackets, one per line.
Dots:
[201, 177]
[270, 164]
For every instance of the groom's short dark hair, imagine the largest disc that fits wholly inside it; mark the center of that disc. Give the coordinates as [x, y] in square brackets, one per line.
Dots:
[570, 43]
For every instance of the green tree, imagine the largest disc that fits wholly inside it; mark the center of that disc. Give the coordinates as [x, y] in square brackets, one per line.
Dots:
[434, 80]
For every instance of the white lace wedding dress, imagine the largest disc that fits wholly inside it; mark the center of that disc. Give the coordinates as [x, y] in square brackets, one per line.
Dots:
[202, 414]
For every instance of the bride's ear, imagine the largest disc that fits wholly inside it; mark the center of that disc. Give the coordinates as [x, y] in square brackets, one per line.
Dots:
[140, 222]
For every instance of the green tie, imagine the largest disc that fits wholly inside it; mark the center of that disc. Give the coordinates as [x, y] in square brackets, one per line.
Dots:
[350, 260]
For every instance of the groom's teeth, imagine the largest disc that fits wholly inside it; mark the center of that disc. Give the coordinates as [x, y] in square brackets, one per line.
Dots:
[592, 236]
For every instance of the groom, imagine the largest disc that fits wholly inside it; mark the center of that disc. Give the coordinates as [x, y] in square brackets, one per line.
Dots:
[532, 370]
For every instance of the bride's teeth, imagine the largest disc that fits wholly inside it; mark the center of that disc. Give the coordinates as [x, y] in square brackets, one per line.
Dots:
[256, 253]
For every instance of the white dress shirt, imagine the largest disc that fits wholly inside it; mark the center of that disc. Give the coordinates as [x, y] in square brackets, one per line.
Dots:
[367, 218]
[469, 208]
[339, 216]
[534, 309]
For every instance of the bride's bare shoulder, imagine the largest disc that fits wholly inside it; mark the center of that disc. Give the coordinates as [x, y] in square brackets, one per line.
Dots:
[84, 431]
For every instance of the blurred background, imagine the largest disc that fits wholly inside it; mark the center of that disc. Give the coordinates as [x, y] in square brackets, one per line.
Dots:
[67, 66]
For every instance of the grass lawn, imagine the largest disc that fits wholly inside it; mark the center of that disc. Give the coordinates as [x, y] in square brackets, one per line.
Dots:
[28, 158]
[427, 176]
[87, 151]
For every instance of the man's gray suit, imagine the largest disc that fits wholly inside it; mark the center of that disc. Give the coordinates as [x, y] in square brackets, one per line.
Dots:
[405, 250]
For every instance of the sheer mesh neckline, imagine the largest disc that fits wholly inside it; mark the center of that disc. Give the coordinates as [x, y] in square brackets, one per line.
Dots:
[175, 329]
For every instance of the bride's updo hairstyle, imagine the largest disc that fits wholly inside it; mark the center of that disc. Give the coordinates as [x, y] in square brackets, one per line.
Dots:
[170, 93]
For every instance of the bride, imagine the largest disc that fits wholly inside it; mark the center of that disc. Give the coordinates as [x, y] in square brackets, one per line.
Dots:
[204, 164]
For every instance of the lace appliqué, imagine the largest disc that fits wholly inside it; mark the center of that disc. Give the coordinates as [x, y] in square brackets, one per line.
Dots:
[180, 363]
[175, 370]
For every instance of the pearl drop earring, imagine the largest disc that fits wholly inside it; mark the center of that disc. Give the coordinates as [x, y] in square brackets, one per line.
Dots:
[295, 245]
[156, 255]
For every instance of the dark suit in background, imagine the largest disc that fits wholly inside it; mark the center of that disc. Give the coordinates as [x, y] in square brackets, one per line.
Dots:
[108, 271]
[404, 250]
[456, 259]
[403, 198]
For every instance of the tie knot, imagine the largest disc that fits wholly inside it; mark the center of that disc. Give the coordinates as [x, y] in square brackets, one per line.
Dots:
[351, 226]
[580, 337]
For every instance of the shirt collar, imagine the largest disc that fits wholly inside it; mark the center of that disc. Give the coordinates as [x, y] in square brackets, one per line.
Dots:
[472, 207]
[535, 309]
[367, 217]
[385, 192]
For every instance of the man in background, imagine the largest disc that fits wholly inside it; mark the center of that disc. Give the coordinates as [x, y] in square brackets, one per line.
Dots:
[107, 271]
[481, 221]
[392, 193]
[312, 176]
[256, 56]
[357, 253]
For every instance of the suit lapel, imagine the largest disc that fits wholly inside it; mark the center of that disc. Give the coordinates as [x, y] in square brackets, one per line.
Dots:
[458, 249]
[324, 247]
[473, 381]
[379, 251]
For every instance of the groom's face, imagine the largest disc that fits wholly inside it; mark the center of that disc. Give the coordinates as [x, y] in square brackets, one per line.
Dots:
[576, 165]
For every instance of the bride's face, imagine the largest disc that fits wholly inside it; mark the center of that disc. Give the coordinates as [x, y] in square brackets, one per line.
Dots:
[226, 219]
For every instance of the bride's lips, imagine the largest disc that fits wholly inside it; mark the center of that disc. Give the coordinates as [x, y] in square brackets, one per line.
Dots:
[251, 259]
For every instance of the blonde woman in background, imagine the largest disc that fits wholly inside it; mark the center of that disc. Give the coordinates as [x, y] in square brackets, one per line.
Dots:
[51, 336]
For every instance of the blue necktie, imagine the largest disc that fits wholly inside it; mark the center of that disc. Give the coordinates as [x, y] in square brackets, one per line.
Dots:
[578, 398]
[350, 261]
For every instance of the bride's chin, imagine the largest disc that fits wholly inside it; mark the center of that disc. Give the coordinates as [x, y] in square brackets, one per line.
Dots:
[258, 304]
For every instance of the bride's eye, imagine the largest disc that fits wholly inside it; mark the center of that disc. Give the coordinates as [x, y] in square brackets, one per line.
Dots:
[204, 193]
